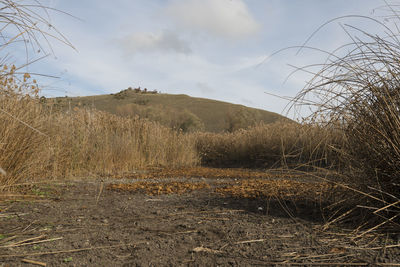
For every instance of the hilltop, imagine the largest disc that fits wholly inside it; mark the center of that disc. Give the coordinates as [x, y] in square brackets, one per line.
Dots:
[176, 111]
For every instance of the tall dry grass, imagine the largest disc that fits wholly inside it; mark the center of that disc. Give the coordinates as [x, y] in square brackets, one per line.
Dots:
[88, 140]
[358, 93]
[36, 143]
[275, 145]
[21, 124]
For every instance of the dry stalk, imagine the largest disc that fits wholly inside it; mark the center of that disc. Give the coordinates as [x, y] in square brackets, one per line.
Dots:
[356, 94]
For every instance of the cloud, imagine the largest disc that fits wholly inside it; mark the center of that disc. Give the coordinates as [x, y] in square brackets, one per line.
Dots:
[223, 18]
[165, 41]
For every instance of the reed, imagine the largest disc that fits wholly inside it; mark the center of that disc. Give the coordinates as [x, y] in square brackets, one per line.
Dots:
[37, 143]
[356, 91]
[275, 145]
[98, 142]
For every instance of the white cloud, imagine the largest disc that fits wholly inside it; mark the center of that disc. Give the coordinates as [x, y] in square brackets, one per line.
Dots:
[226, 18]
[151, 42]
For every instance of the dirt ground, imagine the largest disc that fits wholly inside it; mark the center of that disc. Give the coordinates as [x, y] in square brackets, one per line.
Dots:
[202, 217]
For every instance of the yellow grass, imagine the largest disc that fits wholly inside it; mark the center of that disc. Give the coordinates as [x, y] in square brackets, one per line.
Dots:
[280, 144]
[19, 144]
[36, 142]
[100, 142]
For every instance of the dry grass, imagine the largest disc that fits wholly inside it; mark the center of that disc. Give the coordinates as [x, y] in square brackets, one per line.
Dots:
[285, 189]
[159, 188]
[239, 183]
[37, 143]
[88, 140]
[21, 125]
[246, 188]
[280, 144]
[357, 92]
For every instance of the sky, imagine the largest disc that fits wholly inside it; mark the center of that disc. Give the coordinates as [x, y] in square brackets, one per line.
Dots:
[218, 49]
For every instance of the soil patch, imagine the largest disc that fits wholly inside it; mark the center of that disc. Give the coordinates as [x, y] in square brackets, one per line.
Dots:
[180, 221]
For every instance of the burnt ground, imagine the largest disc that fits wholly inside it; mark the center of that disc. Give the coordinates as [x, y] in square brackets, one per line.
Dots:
[182, 219]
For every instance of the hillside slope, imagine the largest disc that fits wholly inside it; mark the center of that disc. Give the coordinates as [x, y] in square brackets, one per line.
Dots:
[178, 111]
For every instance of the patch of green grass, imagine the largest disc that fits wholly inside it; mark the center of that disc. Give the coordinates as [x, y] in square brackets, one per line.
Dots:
[39, 192]
[43, 191]
[68, 259]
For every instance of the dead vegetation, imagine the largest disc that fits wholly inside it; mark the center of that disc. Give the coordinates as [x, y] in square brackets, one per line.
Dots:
[240, 183]
[82, 142]
[275, 145]
[159, 188]
[355, 92]
[277, 189]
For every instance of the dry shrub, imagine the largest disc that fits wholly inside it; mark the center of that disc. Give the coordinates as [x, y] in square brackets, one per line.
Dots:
[279, 144]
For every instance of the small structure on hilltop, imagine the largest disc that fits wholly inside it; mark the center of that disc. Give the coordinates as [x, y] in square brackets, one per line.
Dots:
[139, 90]
[123, 93]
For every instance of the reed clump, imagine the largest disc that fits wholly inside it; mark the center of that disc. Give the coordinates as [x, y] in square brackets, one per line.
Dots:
[358, 95]
[22, 124]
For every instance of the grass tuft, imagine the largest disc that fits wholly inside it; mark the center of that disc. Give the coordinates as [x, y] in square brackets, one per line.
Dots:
[356, 92]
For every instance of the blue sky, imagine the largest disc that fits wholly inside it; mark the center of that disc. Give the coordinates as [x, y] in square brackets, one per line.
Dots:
[203, 48]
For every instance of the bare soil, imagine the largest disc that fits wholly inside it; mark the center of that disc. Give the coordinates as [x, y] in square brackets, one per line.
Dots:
[205, 217]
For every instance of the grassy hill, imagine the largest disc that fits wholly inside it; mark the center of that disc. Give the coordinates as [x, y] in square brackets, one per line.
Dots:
[177, 111]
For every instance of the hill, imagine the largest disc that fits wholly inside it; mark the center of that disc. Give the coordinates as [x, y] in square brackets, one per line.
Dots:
[176, 111]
